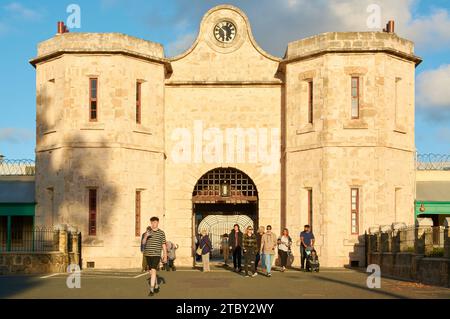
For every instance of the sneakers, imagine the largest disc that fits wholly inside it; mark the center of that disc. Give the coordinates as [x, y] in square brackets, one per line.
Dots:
[151, 293]
[157, 289]
[269, 274]
[255, 274]
[247, 276]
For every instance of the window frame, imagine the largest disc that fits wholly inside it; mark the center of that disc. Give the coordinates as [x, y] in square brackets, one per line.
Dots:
[357, 97]
[355, 211]
[310, 207]
[137, 212]
[92, 212]
[310, 83]
[91, 99]
[138, 110]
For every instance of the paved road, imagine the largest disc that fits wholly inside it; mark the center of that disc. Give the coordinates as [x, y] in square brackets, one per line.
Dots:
[220, 283]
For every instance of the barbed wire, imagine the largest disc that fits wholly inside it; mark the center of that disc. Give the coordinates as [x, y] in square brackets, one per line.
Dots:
[433, 162]
[22, 167]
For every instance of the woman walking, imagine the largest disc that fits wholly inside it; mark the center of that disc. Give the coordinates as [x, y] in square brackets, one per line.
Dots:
[268, 245]
[250, 248]
[259, 256]
[284, 248]
[206, 246]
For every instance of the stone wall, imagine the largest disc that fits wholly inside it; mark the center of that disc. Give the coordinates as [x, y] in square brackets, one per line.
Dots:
[387, 249]
[33, 263]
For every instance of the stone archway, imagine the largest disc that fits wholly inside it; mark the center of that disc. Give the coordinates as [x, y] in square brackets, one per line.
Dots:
[217, 210]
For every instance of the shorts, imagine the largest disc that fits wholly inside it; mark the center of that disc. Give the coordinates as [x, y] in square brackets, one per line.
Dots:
[153, 261]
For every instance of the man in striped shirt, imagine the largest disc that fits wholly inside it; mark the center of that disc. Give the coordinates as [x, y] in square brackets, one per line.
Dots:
[154, 241]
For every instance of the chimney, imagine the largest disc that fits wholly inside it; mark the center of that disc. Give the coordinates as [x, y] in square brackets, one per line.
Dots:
[390, 27]
[62, 28]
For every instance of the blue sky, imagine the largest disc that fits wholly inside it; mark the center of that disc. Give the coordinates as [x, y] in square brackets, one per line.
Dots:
[174, 24]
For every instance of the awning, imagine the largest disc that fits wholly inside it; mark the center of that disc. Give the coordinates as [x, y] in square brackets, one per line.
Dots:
[26, 209]
[432, 208]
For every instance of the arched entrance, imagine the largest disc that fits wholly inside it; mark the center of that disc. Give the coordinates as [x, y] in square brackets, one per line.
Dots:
[223, 197]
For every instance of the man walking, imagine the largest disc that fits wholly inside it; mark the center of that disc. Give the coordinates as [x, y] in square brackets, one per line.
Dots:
[268, 245]
[235, 242]
[306, 240]
[155, 242]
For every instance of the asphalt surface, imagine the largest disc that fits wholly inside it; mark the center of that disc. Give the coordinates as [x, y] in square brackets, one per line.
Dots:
[218, 284]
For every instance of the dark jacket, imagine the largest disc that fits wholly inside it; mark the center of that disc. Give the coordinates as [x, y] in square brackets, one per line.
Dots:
[232, 240]
[250, 244]
[205, 244]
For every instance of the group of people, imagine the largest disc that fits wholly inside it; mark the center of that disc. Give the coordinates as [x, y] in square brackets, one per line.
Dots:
[259, 247]
[256, 248]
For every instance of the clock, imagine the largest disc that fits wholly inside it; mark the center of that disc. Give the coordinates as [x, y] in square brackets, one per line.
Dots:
[225, 31]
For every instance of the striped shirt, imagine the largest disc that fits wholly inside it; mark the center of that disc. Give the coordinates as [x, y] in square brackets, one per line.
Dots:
[155, 241]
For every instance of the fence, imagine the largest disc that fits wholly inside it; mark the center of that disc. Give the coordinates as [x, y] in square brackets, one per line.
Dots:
[37, 239]
[429, 241]
[433, 162]
[17, 167]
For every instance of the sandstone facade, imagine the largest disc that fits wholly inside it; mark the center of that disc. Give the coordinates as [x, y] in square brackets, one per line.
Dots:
[217, 86]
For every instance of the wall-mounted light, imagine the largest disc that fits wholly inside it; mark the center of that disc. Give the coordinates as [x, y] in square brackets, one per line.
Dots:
[224, 189]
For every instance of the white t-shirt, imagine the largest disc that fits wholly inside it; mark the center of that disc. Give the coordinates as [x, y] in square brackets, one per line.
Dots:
[284, 245]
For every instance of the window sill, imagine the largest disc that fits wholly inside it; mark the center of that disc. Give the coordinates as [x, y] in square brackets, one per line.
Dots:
[309, 128]
[142, 130]
[93, 127]
[399, 129]
[49, 132]
[92, 241]
[355, 125]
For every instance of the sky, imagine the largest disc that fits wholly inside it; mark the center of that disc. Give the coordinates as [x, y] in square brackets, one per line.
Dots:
[175, 23]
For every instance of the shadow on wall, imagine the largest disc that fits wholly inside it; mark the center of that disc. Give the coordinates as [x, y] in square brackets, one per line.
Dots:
[68, 173]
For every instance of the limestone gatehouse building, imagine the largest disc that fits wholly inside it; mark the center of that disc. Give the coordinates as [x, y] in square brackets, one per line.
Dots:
[224, 133]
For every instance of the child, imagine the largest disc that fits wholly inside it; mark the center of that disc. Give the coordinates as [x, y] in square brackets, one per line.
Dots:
[313, 262]
[171, 248]
[224, 247]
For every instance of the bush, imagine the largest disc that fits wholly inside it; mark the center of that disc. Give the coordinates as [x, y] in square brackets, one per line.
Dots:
[437, 252]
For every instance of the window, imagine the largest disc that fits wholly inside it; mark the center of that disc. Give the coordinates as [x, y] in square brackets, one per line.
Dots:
[93, 100]
[310, 208]
[92, 212]
[137, 229]
[397, 101]
[310, 102]
[355, 97]
[138, 102]
[355, 210]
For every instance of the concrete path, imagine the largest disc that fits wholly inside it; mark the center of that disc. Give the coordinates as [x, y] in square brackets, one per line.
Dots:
[220, 283]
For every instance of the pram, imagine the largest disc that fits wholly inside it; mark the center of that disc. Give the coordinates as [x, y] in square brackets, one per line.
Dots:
[312, 260]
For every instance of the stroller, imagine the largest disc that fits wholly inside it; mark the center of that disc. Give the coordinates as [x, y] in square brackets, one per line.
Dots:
[312, 260]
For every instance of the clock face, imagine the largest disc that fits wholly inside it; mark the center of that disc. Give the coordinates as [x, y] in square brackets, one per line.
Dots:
[225, 31]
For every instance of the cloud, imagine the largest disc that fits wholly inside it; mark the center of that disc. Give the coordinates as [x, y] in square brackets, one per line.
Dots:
[15, 135]
[433, 88]
[180, 45]
[20, 11]
[276, 23]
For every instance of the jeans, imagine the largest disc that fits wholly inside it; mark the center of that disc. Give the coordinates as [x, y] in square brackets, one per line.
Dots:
[249, 262]
[283, 257]
[205, 261]
[237, 254]
[257, 259]
[268, 262]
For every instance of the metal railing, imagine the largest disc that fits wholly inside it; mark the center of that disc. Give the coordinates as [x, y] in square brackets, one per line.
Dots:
[433, 162]
[17, 167]
[37, 239]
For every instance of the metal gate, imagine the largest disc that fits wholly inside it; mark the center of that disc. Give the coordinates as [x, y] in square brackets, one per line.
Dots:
[218, 225]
